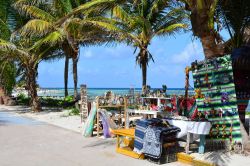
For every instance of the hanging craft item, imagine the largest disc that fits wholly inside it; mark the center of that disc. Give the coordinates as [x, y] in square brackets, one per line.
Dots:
[216, 98]
[198, 94]
[224, 98]
[207, 100]
[206, 79]
[224, 133]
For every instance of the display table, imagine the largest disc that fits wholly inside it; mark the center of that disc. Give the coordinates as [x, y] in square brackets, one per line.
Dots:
[144, 112]
[192, 127]
[147, 112]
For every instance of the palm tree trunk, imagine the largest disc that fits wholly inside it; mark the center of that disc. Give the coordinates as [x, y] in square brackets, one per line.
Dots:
[210, 47]
[66, 72]
[143, 62]
[144, 73]
[31, 80]
[75, 61]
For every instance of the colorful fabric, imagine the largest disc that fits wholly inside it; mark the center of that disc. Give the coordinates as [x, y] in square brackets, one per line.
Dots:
[105, 123]
[155, 136]
[155, 125]
[217, 101]
[152, 145]
[141, 126]
[187, 107]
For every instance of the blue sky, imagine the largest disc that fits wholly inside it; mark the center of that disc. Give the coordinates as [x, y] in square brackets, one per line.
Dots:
[103, 66]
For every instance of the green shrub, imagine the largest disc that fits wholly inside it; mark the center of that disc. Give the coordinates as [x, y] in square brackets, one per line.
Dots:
[69, 99]
[22, 99]
[74, 111]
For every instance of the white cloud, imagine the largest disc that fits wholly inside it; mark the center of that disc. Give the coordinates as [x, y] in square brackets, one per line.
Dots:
[88, 54]
[191, 51]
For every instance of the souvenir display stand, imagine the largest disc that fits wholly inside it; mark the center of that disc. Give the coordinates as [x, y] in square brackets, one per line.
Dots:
[216, 100]
[118, 107]
[158, 99]
[126, 137]
[145, 110]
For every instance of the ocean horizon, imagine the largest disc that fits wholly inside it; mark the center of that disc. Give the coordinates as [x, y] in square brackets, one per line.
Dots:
[93, 92]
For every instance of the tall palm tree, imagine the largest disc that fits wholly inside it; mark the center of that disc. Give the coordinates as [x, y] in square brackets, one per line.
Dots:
[203, 20]
[44, 15]
[135, 23]
[10, 20]
[29, 59]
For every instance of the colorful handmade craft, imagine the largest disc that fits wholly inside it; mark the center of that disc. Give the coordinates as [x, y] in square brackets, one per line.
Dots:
[218, 100]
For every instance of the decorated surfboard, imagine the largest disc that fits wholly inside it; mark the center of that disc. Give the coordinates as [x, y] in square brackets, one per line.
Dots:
[89, 124]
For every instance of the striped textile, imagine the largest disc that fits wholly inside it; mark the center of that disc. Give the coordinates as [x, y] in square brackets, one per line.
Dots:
[215, 80]
[141, 126]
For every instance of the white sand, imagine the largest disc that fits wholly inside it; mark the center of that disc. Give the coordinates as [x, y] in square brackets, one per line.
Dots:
[59, 118]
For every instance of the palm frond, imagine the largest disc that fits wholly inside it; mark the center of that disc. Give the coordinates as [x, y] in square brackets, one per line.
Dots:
[34, 12]
[12, 51]
[36, 27]
[51, 40]
[171, 28]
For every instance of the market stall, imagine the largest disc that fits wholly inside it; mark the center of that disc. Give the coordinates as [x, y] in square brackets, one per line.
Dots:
[216, 100]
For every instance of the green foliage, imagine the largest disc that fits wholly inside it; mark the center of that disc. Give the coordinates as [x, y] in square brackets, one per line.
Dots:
[69, 99]
[74, 111]
[235, 16]
[22, 99]
[67, 102]
[7, 75]
[51, 102]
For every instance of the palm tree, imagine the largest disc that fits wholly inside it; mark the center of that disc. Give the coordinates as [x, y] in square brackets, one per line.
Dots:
[29, 59]
[135, 23]
[236, 19]
[203, 19]
[43, 18]
[9, 21]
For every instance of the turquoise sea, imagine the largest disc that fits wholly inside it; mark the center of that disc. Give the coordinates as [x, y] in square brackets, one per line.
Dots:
[92, 92]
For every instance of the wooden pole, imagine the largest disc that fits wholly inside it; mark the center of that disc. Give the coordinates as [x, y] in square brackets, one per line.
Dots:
[186, 87]
[84, 102]
[202, 144]
[97, 116]
[187, 143]
[126, 116]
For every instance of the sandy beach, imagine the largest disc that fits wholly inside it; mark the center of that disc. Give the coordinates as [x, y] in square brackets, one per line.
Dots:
[55, 117]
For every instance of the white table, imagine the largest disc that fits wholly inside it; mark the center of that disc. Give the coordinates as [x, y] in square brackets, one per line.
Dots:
[192, 127]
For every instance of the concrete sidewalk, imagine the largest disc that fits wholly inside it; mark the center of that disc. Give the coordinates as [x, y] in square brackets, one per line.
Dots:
[25, 142]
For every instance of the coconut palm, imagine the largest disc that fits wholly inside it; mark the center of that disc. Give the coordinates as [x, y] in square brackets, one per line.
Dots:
[9, 21]
[44, 15]
[29, 59]
[135, 23]
[203, 20]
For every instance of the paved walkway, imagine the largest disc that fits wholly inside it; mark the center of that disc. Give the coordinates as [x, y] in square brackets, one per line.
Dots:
[26, 142]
